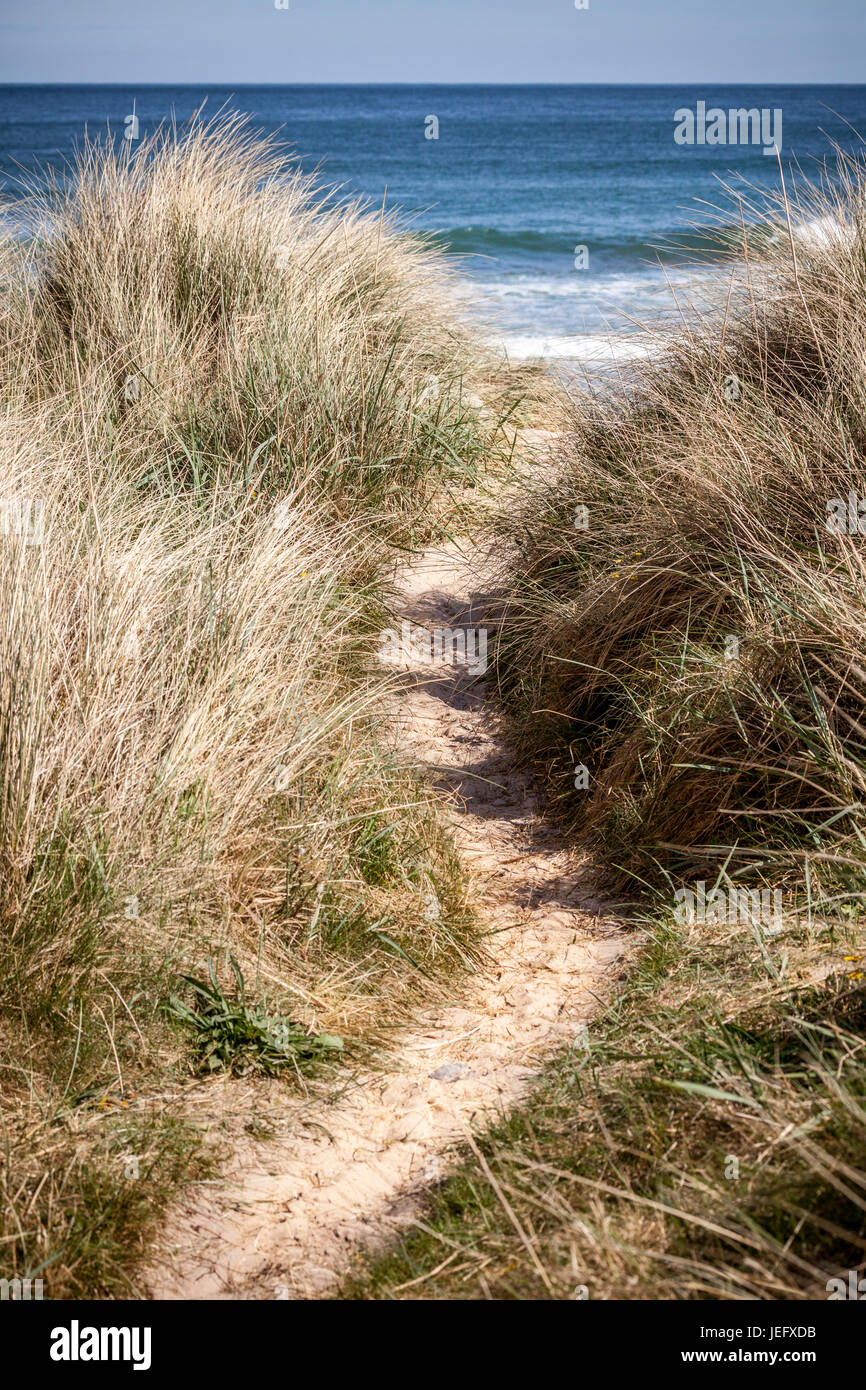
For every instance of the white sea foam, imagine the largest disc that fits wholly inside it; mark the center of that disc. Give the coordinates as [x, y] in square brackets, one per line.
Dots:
[826, 231]
[577, 347]
[549, 286]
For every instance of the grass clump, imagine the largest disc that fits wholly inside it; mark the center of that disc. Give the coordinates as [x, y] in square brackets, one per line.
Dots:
[685, 620]
[225, 402]
[231, 1034]
[224, 316]
[704, 1141]
[694, 637]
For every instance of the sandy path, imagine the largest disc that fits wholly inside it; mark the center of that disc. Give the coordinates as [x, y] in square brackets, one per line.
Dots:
[287, 1222]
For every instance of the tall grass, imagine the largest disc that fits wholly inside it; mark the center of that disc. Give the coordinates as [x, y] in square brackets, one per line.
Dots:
[680, 621]
[228, 401]
[699, 646]
[705, 1141]
[264, 328]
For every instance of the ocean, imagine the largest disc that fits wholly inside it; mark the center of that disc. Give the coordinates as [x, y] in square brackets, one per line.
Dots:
[561, 202]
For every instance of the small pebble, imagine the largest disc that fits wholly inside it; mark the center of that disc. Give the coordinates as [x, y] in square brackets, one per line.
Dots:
[451, 1071]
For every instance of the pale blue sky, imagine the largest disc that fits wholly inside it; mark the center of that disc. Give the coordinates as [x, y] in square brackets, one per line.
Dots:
[238, 41]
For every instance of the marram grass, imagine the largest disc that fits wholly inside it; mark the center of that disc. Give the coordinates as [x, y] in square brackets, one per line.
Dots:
[224, 403]
[683, 660]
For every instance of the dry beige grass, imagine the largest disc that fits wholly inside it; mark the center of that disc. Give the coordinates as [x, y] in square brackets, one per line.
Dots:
[226, 401]
[708, 1142]
[698, 644]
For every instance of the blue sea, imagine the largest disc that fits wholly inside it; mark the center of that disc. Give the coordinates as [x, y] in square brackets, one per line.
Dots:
[517, 179]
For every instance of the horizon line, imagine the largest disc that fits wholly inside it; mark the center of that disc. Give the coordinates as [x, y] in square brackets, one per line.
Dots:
[198, 82]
